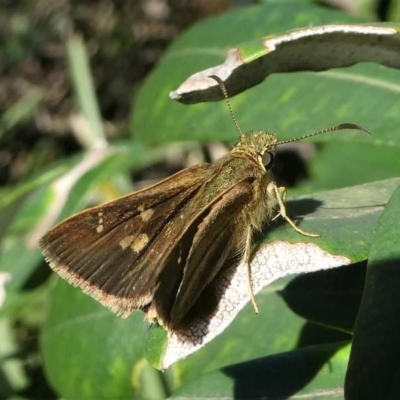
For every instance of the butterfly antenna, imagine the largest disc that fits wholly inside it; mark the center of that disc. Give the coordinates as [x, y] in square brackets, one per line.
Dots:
[340, 127]
[225, 93]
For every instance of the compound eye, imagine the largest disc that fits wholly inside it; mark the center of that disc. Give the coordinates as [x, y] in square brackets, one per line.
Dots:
[267, 159]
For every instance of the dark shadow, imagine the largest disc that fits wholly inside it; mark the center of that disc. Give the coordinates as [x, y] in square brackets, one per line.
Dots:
[289, 167]
[374, 366]
[331, 298]
[301, 207]
[313, 335]
[41, 273]
[296, 210]
[279, 376]
[382, 9]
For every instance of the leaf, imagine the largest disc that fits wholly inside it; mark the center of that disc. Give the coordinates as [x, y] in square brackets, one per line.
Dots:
[305, 372]
[91, 134]
[394, 11]
[270, 263]
[374, 363]
[316, 48]
[329, 298]
[292, 104]
[289, 104]
[84, 344]
[369, 162]
[20, 111]
[345, 237]
[344, 218]
[13, 376]
[277, 329]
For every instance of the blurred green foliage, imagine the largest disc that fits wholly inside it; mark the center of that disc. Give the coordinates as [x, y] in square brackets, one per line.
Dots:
[66, 142]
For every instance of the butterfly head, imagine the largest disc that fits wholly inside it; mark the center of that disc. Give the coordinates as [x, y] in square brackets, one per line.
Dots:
[259, 145]
[258, 141]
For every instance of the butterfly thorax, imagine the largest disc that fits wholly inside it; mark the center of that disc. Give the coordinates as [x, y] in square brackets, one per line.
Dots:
[253, 146]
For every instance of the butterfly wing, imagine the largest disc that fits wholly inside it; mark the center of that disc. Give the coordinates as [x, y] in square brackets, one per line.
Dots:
[108, 250]
[213, 236]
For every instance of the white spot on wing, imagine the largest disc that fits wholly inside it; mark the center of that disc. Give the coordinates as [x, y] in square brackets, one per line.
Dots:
[146, 215]
[126, 242]
[140, 242]
[100, 226]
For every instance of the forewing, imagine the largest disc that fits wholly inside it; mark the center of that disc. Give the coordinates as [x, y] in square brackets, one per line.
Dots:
[210, 238]
[108, 250]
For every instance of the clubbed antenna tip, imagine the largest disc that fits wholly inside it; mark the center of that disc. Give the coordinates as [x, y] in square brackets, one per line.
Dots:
[335, 128]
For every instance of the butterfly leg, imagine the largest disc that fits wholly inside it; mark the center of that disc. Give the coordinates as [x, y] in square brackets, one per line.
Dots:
[246, 258]
[280, 193]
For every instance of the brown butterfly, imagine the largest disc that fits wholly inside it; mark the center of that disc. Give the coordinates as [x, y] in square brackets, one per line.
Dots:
[160, 248]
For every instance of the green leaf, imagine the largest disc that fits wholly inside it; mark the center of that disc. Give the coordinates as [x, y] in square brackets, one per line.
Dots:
[329, 298]
[369, 162]
[20, 111]
[78, 327]
[275, 330]
[12, 374]
[82, 340]
[312, 372]
[290, 104]
[87, 350]
[344, 218]
[346, 233]
[280, 325]
[374, 364]
[394, 11]
[345, 230]
[91, 133]
[11, 194]
[316, 48]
